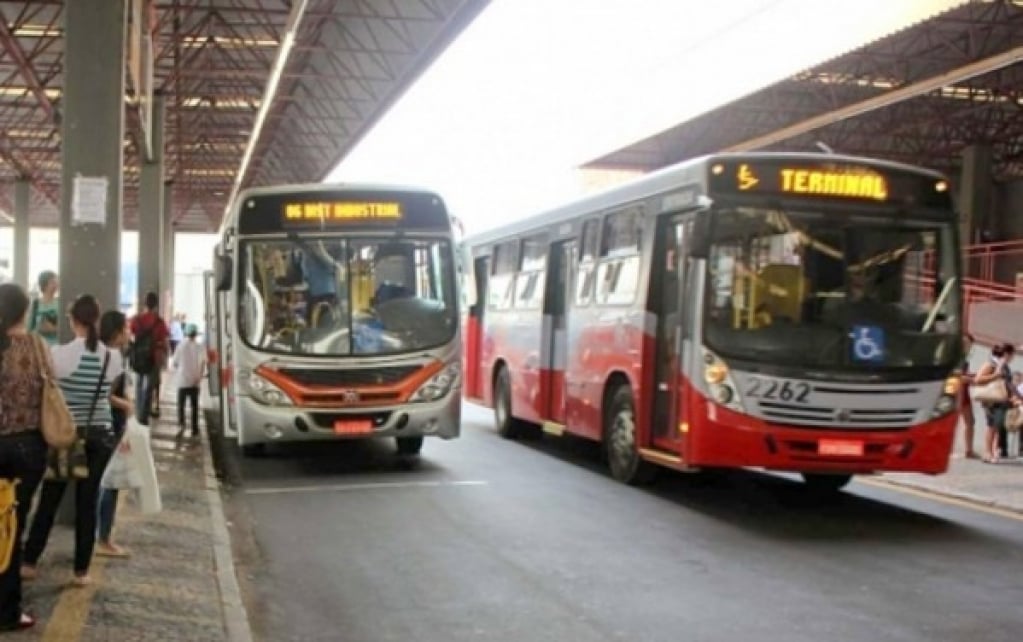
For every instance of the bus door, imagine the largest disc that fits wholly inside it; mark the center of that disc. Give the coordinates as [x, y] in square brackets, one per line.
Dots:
[670, 262]
[474, 331]
[212, 336]
[560, 290]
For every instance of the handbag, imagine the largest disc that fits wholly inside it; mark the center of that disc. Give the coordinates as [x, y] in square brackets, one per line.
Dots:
[73, 462]
[991, 392]
[55, 420]
[1014, 419]
[8, 520]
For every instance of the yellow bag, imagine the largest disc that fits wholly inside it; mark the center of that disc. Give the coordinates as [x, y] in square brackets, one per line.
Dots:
[8, 521]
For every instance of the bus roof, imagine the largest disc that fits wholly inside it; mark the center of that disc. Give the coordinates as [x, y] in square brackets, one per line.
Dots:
[689, 172]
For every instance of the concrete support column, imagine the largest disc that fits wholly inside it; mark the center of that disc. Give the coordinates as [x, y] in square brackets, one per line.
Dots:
[92, 135]
[167, 269]
[976, 193]
[150, 214]
[22, 193]
[92, 147]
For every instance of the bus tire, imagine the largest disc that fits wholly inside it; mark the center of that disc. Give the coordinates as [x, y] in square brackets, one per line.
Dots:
[620, 441]
[409, 446]
[825, 482]
[253, 450]
[507, 426]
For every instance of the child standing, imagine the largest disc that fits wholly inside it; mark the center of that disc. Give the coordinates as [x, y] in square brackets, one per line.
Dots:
[189, 364]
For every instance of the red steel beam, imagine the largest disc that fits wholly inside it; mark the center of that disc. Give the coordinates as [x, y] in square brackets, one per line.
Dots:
[14, 51]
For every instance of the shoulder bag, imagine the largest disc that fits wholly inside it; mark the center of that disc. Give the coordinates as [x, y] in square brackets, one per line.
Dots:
[55, 420]
[991, 392]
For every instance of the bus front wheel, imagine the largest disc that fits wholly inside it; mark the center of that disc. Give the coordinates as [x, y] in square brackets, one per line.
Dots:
[620, 441]
[254, 450]
[409, 446]
[826, 483]
[507, 426]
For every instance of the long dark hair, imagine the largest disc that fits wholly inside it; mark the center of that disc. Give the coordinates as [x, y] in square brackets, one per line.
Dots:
[13, 306]
[85, 312]
[111, 324]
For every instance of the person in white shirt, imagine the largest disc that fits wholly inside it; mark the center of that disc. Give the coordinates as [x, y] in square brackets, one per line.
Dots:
[189, 365]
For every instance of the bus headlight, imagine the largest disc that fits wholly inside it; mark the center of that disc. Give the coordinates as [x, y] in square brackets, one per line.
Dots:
[719, 382]
[265, 392]
[439, 384]
[946, 403]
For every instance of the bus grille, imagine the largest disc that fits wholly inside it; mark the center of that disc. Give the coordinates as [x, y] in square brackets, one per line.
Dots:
[349, 377]
[795, 415]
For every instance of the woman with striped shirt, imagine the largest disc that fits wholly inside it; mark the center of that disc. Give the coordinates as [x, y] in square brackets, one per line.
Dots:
[84, 369]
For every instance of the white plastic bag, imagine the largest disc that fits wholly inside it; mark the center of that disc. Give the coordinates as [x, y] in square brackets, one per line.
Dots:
[141, 454]
[122, 473]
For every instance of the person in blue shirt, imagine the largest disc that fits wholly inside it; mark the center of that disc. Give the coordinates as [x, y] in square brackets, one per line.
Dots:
[319, 266]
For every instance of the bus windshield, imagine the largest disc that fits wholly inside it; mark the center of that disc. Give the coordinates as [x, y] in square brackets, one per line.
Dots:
[330, 296]
[819, 289]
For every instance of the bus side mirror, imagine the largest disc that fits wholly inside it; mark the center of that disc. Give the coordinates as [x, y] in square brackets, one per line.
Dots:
[222, 272]
[699, 240]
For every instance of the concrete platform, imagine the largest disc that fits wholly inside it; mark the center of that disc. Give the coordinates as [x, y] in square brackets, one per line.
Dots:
[179, 582]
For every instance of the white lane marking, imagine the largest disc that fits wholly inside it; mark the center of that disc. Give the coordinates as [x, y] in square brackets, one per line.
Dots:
[340, 488]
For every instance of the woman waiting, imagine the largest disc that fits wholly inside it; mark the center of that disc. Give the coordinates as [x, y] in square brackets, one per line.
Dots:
[23, 361]
[997, 367]
[113, 332]
[84, 369]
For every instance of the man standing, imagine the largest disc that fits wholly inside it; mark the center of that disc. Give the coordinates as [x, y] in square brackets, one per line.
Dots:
[189, 365]
[148, 353]
[43, 317]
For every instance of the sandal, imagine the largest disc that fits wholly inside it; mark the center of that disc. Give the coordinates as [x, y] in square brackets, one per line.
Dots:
[25, 621]
[111, 550]
[971, 455]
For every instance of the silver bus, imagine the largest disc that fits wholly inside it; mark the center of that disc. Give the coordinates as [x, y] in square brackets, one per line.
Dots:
[334, 314]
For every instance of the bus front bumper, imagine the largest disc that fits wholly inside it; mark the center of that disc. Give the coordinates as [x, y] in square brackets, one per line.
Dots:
[260, 423]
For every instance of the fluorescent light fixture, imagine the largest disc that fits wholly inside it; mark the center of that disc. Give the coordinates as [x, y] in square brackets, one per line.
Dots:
[297, 11]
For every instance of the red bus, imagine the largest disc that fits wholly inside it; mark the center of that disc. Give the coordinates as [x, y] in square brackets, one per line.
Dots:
[794, 312]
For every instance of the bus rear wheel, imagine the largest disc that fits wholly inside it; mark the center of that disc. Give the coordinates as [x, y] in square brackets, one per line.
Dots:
[826, 482]
[620, 441]
[507, 425]
[409, 446]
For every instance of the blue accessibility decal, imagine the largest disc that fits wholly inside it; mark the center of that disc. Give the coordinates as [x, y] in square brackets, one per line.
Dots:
[867, 343]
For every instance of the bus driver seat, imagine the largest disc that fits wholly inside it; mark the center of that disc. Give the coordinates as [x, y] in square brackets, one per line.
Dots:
[391, 273]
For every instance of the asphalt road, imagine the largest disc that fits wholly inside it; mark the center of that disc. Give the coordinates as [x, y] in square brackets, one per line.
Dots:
[487, 539]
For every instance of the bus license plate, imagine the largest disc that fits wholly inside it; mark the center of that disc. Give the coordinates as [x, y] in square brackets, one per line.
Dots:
[840, 447]
[353, 426]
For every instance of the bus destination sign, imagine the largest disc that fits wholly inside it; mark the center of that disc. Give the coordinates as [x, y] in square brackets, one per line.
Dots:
[329, 211]
[840, 182]
[828, 180]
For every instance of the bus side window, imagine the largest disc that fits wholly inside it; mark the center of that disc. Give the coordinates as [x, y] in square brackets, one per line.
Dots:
[584, 284]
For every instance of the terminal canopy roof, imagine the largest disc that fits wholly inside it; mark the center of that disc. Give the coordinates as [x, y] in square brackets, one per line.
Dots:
[919, 96]
[212, 60]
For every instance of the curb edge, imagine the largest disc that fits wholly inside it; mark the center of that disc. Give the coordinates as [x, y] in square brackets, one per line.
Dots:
[236, 618]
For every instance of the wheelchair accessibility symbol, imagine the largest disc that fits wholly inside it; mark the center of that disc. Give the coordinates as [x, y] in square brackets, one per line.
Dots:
[868, 343]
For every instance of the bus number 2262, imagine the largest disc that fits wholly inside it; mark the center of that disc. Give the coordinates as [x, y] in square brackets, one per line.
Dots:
[774, 389]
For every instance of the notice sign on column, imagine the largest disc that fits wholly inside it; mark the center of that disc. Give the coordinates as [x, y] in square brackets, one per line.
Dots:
[89, 201]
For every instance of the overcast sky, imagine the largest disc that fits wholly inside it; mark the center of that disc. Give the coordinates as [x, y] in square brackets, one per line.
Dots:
[534, 88]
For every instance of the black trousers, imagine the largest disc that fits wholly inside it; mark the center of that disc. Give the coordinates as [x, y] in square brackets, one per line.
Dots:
[100, 442]
[191, 394]
[22, 457]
